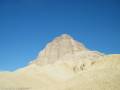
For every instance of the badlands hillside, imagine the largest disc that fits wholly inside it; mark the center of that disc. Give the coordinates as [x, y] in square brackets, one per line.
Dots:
[66, 64]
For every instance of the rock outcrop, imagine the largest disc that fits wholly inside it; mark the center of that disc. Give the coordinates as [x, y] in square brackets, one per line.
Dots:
[64, 46]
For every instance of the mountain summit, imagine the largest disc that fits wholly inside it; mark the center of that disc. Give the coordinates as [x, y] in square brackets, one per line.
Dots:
[58, 48]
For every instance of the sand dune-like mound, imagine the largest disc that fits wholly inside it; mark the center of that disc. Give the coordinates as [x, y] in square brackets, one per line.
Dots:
[66, 64]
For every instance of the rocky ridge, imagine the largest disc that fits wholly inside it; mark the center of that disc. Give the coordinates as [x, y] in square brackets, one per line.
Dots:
[64, 46]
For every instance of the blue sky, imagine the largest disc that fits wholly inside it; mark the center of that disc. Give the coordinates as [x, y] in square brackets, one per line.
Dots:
[26, 26]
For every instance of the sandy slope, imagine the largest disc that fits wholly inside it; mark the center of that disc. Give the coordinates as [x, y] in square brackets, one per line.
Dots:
[102, 75]
[66, 64]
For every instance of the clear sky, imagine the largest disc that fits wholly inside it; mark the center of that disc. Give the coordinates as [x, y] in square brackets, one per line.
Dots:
[26, 26]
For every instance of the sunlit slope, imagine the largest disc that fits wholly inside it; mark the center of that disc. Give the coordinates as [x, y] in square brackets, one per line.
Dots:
[104, 74]
[23, 80]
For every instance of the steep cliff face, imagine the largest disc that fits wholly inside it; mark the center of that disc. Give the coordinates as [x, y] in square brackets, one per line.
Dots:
[60, 47]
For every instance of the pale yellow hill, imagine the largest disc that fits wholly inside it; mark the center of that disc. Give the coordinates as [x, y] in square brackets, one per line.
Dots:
[103, 74]
[66, 64]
